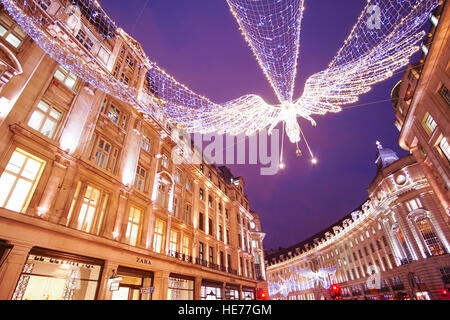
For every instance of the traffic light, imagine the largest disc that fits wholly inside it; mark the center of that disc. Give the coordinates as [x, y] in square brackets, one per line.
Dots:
[336, 293]
[444, 292]
[262, 295]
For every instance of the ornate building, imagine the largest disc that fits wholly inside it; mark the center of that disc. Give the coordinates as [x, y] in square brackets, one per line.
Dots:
[92, 203]
[394, 246]
[422, 107]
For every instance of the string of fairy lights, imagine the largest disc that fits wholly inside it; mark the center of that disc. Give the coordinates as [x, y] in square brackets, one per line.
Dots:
[302, 280]
[386, 35]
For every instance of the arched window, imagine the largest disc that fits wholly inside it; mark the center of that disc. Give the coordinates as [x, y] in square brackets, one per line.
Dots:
[432, 241]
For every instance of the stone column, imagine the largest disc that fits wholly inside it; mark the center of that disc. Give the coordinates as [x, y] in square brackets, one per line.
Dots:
[111, 215]
[198, 288]
[73, 223]
[64, 199]
[108, 270]
[167, 238]
[45, 207]
[120, 227]
[12, 268]
[83, 107]
[14, 88]
[130, 158]
[412, 245]
[161, 284]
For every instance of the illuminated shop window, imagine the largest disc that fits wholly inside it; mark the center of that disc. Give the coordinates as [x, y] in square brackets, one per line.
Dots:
[53, 278]
[158, 236]
[133, 226]
[432, 241]
[139, 181]
[180, 289]
[11, 32]
[429, 124]
[66, 77]
[445, 148]
[46, 119]
[19, 180]
[209, 292]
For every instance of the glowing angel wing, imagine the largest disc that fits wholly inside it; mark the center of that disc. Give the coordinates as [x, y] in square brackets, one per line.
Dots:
[386, 35]
[248, 115]
[272, 30]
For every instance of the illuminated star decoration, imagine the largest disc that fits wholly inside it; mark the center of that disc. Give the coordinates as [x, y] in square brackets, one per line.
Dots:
[301, 280]
[374, 50]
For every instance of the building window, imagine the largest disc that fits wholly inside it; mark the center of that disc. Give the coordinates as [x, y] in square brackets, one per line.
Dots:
[177, 176]
[173, 243]
[210, 202]
[158, 236]
[211, 255]
[445, 148]
[201, 222]
[139, 180]
[445, 94]
[165, 161]
[175, 207]
[114, 114]
[46, 119]
[186, 246]
[187, 214]
[201, 194]
[220, 233]
[201, 251]
[66, 77]
[102, 153]
[429, 124]
[434, 245]
[11, 32]
[227, 240]
[19, 180]
[210, 226]
[445, 273]
[85, 40]
[89, 206]
[145, 143]
[188, 185]
[414, 204]
[162, 195]
[133, 226]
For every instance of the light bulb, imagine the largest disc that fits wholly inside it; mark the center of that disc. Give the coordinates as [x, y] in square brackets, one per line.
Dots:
[314, 161]
[282, 166]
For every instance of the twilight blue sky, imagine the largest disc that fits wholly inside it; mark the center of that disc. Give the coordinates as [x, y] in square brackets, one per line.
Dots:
[198, 42]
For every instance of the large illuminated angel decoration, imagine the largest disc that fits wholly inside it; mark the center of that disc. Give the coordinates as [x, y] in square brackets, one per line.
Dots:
[386, 35]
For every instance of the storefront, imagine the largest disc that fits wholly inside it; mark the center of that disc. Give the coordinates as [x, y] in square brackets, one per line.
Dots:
[180, 287]
[231, 292]
[211, 290]
[51, 275]
[131, 284]
[248, 293]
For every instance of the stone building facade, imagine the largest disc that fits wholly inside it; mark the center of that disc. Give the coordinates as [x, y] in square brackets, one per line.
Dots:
[92, 203]
[394, 246]
[422, 107]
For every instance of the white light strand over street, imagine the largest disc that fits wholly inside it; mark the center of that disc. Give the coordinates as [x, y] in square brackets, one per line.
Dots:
[374, 50]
